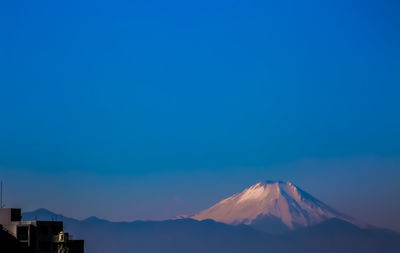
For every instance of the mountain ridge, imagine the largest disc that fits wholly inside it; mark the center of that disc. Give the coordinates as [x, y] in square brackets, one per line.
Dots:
[189, 235]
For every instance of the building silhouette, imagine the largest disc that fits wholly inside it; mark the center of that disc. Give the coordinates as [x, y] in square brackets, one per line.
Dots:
[38, 236]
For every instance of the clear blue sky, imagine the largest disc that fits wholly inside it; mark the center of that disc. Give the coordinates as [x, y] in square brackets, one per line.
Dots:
[149, 109]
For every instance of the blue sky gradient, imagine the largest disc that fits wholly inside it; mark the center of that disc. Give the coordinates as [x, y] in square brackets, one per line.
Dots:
[164, 107]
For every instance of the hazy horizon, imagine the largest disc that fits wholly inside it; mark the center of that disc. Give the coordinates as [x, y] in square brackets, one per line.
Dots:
[337, 191]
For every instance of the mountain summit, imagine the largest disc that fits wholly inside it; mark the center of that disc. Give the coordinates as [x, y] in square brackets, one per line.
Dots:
[271, 206]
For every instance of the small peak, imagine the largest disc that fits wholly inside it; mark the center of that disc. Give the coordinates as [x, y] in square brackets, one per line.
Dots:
[92, 218]
[43, 211]
[260, 184]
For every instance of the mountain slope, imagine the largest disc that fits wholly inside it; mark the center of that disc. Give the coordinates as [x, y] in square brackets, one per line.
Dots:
[335, 235]
[271, 204]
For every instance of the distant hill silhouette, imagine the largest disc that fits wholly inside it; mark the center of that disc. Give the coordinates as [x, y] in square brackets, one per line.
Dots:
[192, 236]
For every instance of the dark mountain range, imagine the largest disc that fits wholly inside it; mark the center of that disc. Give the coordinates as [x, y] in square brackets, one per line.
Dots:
[187, 235]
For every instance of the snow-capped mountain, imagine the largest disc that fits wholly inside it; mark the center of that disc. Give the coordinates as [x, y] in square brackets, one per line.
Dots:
[270, 205]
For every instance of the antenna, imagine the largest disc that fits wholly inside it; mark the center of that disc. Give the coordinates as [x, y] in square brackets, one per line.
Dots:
[1, 194]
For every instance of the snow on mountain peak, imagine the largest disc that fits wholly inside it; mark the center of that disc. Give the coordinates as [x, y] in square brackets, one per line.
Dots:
[279, 200]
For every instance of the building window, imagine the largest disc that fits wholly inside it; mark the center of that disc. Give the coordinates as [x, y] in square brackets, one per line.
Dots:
[15, 214]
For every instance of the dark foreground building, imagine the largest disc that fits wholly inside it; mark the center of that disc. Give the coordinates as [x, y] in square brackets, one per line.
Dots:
[9, 243]
[38, 236]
